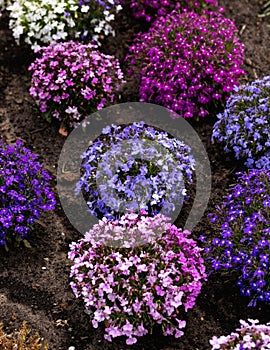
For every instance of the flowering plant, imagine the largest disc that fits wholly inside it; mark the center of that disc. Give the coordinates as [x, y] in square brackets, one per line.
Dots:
[135, 167]
[186, 61]
[72, 80]
[133, 287]
[43, 22]
[250, 335]
[150, 9]
[244, 126]
[24, 192]
[243, 220]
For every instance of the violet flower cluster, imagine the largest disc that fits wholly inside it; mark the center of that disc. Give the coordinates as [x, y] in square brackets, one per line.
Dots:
[24, 192]
[135, 167]
[72, 80]
[134, 287]
[150, 9]
[244, 126]
[251, 335]
[243, 245]
[186, 61]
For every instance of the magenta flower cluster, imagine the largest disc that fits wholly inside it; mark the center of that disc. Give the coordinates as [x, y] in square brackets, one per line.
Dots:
[250, 335]
[24, 192]
[186, 61]
[150, 9]
[243, 245]
[137, 272]
[71, 80]
[244, 126]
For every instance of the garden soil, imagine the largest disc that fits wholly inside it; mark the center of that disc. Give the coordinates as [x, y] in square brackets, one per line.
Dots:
[34, 281]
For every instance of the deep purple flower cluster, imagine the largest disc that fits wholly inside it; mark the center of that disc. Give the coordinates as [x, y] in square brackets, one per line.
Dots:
[71, 80]
[243, 220]
[135, 167]
[186, 61]
[24, 192]
[244, 126]
[150, 9]
[250, 335]
[134, 287]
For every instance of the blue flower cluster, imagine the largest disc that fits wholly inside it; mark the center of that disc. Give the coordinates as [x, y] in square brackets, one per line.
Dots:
[244, 126]
[133, 168]
[24, 192]
[243, 220]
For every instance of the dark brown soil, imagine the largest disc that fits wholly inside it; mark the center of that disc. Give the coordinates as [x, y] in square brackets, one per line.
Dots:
[34, 282]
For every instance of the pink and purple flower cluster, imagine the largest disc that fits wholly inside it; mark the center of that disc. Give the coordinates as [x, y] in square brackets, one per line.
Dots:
[24, 192]
[251, 335]
[187, 61]
[243, 220]
[72, 80]
[132, 286]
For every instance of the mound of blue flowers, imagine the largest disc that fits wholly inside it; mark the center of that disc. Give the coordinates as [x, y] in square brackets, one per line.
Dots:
[133, 168]
[244, 126]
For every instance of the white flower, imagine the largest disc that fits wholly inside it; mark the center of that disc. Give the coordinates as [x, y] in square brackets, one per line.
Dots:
[85, 8]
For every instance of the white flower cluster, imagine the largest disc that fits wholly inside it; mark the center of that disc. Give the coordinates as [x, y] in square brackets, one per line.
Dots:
[44, 22]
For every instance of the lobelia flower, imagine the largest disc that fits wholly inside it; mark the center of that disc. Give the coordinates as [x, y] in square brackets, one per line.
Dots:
[150, 9]
[251, 335]
[72, 80]
[244, 126]
[243, 245]
[135, 167]
[186, 61]
[44, 22]
[24, 192]
[136, 272]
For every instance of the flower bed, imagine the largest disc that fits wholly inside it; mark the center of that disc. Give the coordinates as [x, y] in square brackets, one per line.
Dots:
[34, 282]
